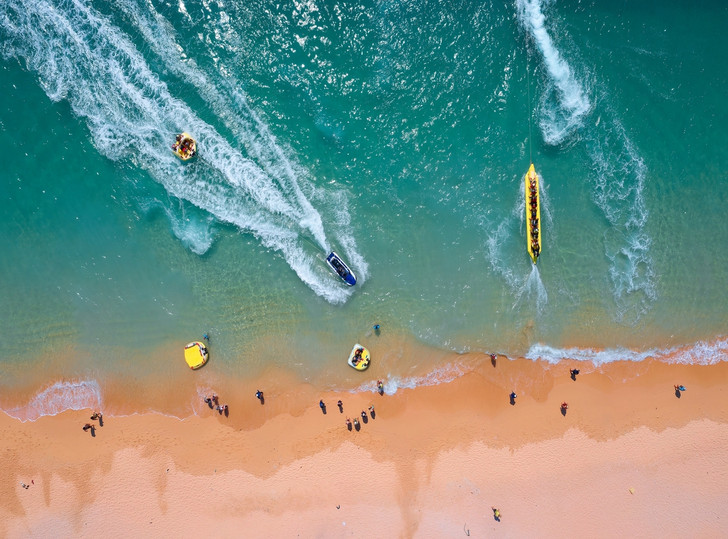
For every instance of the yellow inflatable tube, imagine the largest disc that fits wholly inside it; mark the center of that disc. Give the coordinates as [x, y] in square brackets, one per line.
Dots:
[359, 358]
[196, 354]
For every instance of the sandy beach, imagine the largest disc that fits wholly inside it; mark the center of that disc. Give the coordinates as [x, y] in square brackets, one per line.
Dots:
[629, 457]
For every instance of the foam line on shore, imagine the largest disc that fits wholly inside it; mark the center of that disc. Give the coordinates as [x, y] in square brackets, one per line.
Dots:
[60, 397]
[699, 353]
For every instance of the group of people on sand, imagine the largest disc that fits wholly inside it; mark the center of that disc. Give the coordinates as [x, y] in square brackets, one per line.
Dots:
[364, 416]
[533, 201]
[96, 416]
[214, 403]
[184, 146]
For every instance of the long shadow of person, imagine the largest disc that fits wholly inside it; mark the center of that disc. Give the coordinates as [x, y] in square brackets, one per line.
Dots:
[348, 426]
[678, 393]
[322, 406]
[101, 421]
[357, 426]
[373, 414]
[563, 411]
[93, 431]
[364, 418]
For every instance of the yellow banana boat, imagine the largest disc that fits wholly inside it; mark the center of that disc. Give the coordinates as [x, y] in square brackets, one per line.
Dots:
[533, 214]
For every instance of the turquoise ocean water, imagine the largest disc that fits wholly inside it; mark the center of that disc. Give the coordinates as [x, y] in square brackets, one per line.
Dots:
[396, 133]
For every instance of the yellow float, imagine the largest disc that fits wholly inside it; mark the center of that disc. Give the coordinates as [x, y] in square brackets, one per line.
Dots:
[359, 358]
[185, 147]
[196, 354]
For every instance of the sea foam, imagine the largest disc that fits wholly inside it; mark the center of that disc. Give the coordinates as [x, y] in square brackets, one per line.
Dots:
[60, 397]
[699, 353]
[561, 118]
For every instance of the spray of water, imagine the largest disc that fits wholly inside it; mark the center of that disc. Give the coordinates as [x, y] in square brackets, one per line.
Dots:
[564, 103]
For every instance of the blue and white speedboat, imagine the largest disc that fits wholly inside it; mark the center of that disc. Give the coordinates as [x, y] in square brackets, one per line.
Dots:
[341, 269]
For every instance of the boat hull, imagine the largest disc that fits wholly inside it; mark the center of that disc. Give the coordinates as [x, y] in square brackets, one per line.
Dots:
[534, 232]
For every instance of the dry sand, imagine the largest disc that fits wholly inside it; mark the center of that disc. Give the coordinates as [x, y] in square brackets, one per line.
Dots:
[629, 458]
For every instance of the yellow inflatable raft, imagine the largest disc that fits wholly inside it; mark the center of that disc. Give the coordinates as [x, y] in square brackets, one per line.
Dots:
[533, 214]
[359, 358]
[185, 146]
[196, 354]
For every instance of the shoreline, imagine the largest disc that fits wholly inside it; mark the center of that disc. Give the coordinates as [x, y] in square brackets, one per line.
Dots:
[164, 386]
[431, 455]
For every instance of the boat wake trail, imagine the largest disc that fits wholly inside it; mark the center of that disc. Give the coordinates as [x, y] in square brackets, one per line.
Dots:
[81, 56]
[564, 102]
[618, 171]
[533, 289]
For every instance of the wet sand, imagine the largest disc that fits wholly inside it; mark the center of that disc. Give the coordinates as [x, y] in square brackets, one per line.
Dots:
[628, 458]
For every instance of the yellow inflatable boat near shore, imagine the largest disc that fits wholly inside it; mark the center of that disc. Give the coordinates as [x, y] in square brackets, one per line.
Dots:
[534, 234]
[196, 354]
[359, 358]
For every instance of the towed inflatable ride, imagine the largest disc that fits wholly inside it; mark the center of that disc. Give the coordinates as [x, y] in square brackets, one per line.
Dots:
[359, 358]
[185, 146]
[196, 354]
[533, 214]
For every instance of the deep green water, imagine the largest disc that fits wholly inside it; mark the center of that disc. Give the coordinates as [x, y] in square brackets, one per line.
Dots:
[397, 134]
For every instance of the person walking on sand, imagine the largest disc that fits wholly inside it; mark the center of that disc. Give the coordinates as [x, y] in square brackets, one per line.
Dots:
[496, 513]
[340, 405]
[322, 406]
[564, 407]
[380, 387]
[348, 423]
[573, 373]
[87, 426]
[680, 387]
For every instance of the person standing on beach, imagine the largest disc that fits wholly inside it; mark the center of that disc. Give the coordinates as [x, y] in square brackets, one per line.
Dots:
[322, 406]
[380, 387]
[259, 396]
[341, 406]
